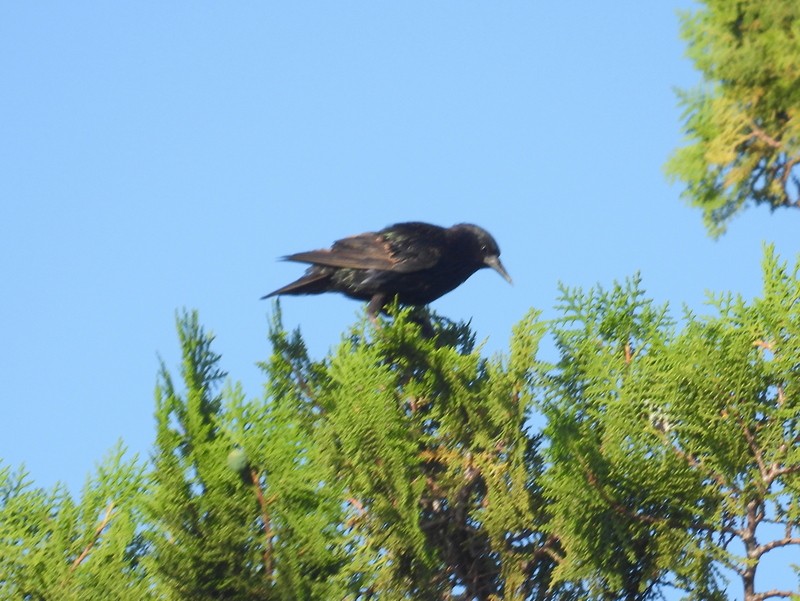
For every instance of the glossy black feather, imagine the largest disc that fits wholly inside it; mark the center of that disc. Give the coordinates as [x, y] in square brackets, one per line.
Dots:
[416, 262]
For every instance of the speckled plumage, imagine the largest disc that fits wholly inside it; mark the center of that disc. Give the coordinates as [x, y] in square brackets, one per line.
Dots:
[416, 262]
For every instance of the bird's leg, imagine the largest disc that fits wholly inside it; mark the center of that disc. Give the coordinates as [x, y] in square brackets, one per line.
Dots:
[374, 307]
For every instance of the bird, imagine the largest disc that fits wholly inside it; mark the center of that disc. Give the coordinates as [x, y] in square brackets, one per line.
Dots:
[414, 262]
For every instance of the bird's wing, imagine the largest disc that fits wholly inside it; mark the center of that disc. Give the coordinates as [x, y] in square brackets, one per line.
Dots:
[401, 248]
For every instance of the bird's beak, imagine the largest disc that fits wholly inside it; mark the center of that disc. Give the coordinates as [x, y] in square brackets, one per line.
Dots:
[494, 263]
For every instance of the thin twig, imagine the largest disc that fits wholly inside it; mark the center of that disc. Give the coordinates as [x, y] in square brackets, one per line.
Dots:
[787, 171]
[763, 344]
[360, 511]
[549, 548]
[697, 464]
[301, 381]
[98, 531]
[758, 454]
[357, 504]
[764, 136]
[646, 518]
[268, 564]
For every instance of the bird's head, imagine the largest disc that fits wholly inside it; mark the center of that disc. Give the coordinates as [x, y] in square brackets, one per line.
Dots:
[483, 247]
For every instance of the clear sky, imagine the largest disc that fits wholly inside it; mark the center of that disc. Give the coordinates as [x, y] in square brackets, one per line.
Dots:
[155, 156]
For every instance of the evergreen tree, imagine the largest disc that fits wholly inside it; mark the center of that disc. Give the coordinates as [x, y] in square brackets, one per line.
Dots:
[671, 450]
[54, 548]
[207, 542]
[743, 123]
[404, 465]
[438, 469]
[238, 507]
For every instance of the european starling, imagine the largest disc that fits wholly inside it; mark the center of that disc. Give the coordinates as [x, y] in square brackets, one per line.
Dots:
[415, 262]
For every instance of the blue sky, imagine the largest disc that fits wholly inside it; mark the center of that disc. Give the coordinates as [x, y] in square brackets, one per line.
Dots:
[164, 155]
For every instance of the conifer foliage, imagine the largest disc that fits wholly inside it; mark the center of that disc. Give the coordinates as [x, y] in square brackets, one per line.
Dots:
[743, 122]
[650, 454]
[675, 453]
[53, 547]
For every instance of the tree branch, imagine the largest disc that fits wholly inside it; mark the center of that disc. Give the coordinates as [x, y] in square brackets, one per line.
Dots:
[774, 544]
[777, 472]
[98, 531]
[758, 454]
[646, 518]
[697, 464]
[759, 133]
[551, 548]
[360, 511]
[763, 344]
[262, 502]
[787, 172]
[772, 593]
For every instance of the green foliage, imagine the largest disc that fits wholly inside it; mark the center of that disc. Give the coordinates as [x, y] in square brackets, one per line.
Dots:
[665, 446]
[743, 124]
[206, 540]
[302, 501]
[429, 441]
[405, 466]
[54, 548]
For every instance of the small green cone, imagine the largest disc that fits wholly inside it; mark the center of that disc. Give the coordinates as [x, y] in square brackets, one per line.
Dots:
[237, 462]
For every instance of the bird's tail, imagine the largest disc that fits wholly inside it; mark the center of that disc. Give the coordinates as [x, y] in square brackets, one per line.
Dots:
[310, 283]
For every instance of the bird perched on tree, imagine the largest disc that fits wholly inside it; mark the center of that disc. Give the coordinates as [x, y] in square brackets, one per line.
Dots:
[415, 262]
